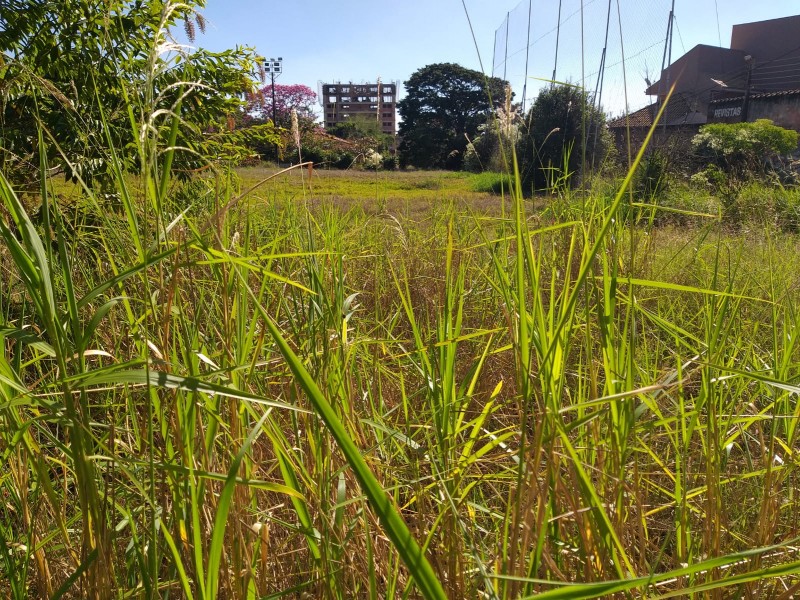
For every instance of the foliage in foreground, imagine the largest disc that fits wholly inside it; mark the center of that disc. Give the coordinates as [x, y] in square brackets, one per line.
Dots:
[647, 389]
[70, 66]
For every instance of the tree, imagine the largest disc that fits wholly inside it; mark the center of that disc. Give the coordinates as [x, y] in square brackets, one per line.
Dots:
[444, 104]
[299, 98]
[365, 131]
[356, 128]
[561, 130]
[81, 70]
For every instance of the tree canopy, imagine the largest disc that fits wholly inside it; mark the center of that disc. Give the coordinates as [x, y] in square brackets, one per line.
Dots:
[297, 97]
[68, 66]
[444, 104]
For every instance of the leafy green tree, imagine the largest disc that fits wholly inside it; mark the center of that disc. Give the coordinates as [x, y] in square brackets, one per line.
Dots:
[365, 131]
[356, 128]
[444, 104]
[561, 129]
[84, 69]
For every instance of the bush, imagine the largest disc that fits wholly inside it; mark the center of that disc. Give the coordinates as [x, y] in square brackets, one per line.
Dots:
[390, 162]
[491, 183]
[787, 210]
[743, 149]
[766, 204]
[652, 178]
[491, 150]
[561, 125]
[481, 150]
[372, 160]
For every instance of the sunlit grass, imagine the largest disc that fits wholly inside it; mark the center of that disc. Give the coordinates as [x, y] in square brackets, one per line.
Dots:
[635, 431]
[361, 384]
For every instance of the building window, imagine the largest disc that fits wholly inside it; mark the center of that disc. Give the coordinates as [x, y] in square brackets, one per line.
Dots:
[345, 90]
[387, 106]
[373, 88]
[388, 98]
[332, 99]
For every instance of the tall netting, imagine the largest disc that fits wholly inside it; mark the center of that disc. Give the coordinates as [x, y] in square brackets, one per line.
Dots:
[583, 42]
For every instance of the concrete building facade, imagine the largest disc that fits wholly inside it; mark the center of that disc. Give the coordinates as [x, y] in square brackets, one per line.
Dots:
[345, 101]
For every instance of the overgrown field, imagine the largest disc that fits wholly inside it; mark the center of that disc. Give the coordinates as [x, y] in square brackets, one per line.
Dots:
[555, 397]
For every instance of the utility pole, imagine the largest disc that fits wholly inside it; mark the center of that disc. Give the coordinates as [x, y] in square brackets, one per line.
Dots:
[558, 37]
[274, 68]
[668, 59]
[746, 104]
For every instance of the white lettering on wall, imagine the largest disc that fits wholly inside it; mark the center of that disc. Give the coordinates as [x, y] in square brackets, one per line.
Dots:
[731, 111]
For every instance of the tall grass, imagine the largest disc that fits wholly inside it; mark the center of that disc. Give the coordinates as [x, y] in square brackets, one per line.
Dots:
[269, 395]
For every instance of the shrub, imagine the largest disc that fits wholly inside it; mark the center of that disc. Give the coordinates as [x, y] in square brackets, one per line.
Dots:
[372, 160]
[390, 162]
[561, 129]
[652, 178]
[491, 183]
[787, 210]
[491, 149]
[743, 149]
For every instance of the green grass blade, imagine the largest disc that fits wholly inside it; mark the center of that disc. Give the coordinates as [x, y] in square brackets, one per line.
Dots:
[223, 508]
[396, 529]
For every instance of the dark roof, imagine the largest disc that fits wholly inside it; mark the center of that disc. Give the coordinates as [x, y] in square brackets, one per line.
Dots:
[774, 57]
[758, 96]
[696, 66]
[677, 113]
[640, 118]
[767, 40]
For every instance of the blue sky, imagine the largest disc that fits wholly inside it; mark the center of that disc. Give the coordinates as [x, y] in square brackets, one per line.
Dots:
[359, 40]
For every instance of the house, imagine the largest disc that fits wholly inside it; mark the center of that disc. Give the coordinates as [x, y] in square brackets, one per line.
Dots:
[757, 77]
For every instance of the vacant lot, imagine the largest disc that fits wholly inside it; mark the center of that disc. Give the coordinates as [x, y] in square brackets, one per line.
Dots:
[546, 391]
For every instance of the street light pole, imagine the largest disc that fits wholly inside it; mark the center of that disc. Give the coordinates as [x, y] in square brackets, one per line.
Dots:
[746, 103]
[274, 68]
[272, 75]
